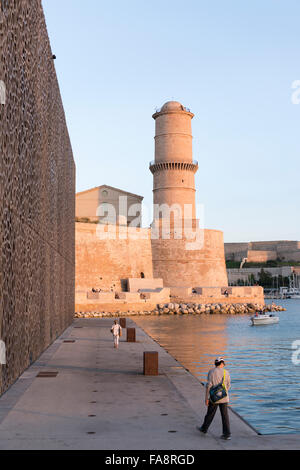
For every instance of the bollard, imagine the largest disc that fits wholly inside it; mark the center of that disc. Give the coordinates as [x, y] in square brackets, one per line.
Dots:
[123, 322]
[130, 335]
[150, 363]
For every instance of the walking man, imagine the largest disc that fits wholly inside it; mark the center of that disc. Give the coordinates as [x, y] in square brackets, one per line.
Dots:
[116, 330]
[220, 377]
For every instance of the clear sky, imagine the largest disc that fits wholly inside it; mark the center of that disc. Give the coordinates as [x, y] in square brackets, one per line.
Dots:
[232, 62]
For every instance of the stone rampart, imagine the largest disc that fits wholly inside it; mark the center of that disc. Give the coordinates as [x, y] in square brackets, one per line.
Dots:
[260, 252]
[107, 263]
[261, 256]
[179, 266]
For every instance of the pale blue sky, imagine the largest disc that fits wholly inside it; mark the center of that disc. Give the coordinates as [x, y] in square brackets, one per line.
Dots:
[232, 62]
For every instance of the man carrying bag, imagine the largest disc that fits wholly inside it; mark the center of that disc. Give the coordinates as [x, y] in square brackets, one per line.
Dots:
[218, 384]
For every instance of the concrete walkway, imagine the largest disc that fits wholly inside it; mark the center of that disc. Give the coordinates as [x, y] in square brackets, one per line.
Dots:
[101, 400]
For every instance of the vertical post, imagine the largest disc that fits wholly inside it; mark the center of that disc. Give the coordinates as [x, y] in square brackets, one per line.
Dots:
[130, 335]
[150, 363]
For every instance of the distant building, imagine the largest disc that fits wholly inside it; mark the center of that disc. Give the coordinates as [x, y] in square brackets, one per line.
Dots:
[108, 204]
[261, 252]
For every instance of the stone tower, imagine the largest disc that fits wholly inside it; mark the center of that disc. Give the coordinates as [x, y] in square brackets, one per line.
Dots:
[175, 260]
[174, 169]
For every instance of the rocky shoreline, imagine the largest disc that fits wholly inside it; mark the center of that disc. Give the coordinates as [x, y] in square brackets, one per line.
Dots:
[189, 309]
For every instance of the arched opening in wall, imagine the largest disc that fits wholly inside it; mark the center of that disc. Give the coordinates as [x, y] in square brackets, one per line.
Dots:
[142, 276]
[124, 285]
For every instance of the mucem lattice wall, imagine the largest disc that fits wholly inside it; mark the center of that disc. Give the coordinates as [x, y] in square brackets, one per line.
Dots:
[37, 192]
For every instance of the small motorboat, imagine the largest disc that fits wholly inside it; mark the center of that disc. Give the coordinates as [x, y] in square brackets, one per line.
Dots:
[264, 319]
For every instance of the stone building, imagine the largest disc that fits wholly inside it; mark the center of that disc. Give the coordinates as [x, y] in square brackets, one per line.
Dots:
[37, 186]
[175, 256]
[107, 204]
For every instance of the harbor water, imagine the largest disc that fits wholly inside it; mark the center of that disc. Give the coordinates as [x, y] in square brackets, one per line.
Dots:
[261, 359]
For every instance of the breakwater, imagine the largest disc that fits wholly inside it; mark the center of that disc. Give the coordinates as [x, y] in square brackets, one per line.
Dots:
[189, 309]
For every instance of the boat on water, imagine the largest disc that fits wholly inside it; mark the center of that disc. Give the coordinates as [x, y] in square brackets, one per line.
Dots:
[264, 319]
[293, 293]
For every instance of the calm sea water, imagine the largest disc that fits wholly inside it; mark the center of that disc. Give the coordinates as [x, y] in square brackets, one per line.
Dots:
[265, 382]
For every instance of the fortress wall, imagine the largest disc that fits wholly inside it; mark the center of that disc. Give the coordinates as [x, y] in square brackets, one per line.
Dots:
[261, 256]
[289, 250]
[37, 187]
[190, 268]
[263, 246]
[235, 251]
[111, 259]
[290, 255]
[263, 251]
[279, 245]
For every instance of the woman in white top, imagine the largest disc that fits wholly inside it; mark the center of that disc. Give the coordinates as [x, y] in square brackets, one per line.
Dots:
[116, 331]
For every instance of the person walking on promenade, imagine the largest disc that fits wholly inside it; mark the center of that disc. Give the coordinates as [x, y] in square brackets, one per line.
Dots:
[218, 384]
[116, 330]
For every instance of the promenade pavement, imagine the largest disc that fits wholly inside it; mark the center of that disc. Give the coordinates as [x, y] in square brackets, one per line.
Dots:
[100, 399]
